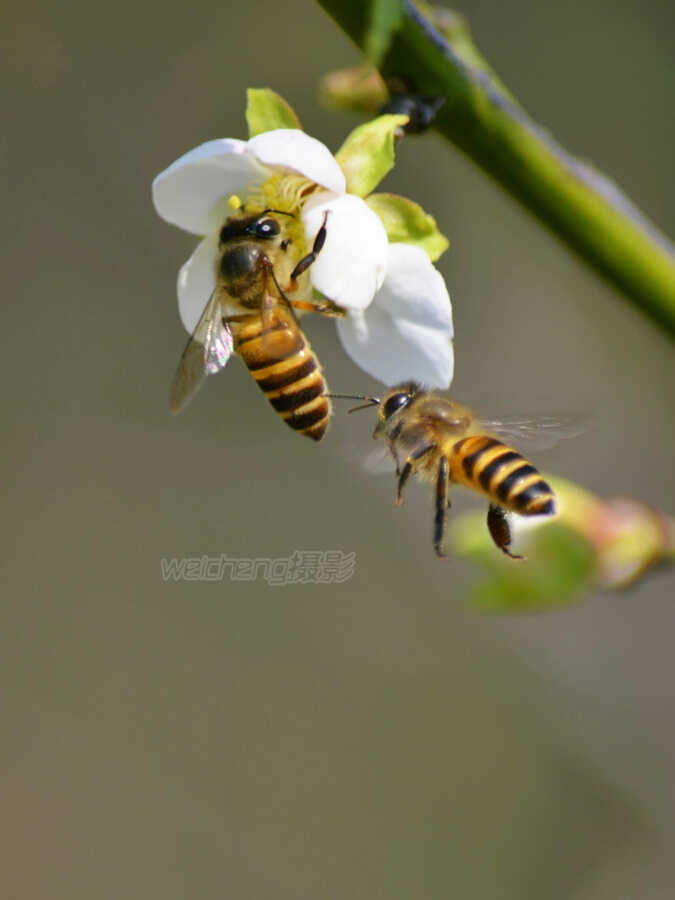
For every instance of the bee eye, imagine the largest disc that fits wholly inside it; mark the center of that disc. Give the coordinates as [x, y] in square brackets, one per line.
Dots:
[267, 228]
[228, 232]
[394, 403]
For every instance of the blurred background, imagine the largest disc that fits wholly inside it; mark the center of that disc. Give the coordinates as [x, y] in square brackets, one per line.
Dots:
[365, 739]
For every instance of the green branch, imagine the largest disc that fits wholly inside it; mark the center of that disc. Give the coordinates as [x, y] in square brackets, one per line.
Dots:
[579, 204]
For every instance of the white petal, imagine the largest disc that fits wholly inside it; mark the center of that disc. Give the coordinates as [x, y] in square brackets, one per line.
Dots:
[197, 281]
[352, 265]
[289, 150]
[193, 192]
[397, 350]
[415, 290]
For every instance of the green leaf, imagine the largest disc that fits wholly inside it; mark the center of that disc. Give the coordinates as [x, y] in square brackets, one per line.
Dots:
[267, 111]
[386, 17]
[406, 222]
[368, 153]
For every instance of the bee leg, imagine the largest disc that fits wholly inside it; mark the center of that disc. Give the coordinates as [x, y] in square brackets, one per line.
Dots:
[325, 307]
[307, 261]
[408, 469]
[395, 457]
[442, 506]
[403, 479]
[499, 530]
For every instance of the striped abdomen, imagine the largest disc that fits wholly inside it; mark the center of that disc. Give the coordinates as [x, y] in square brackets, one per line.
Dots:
[485, 464]
[286, 370]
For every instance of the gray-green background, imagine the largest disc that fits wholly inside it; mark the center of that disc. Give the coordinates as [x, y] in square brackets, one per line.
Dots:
[371, 739]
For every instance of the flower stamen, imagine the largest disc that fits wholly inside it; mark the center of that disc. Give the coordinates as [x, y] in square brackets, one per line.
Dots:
[286, 193]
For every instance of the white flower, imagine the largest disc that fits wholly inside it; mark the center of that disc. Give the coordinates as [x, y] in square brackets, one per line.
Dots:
[406, 332]
[398, 323]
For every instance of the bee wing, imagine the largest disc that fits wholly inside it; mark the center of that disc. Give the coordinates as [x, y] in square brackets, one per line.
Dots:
[206, 352]
[279, 328]
[380, 460]
[535, 432]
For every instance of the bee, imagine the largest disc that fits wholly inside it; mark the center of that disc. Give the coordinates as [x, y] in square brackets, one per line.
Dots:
[421, 110]
[250, 313]
[446, 443]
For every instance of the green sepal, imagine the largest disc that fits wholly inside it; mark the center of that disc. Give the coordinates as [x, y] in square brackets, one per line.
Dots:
[267, 111]
[559, 571]
[406, 223]
[368, 153]
[360, 89]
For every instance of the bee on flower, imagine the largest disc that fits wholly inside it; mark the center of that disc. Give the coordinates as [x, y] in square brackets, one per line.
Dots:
[311, 228]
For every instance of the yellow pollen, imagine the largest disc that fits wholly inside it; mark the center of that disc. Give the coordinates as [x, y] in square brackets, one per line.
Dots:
[234, 202]
[285, 193]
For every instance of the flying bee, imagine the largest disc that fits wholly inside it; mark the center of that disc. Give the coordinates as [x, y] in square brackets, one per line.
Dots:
[250, 313]
[446, 443]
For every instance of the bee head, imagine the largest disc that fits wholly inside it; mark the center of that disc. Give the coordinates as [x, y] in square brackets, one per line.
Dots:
[258, 225]
[396, 400]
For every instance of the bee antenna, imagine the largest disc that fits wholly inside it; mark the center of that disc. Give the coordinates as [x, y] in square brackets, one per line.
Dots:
[280, 212]
[365, 405]
[372, 401]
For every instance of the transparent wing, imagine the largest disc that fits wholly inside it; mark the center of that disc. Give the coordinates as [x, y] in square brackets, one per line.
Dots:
[280, 332]
[380, 460]
[535, 432]
[279, 326]
[206, 353]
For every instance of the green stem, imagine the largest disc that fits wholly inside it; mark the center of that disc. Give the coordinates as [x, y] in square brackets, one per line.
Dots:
[579, 204]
